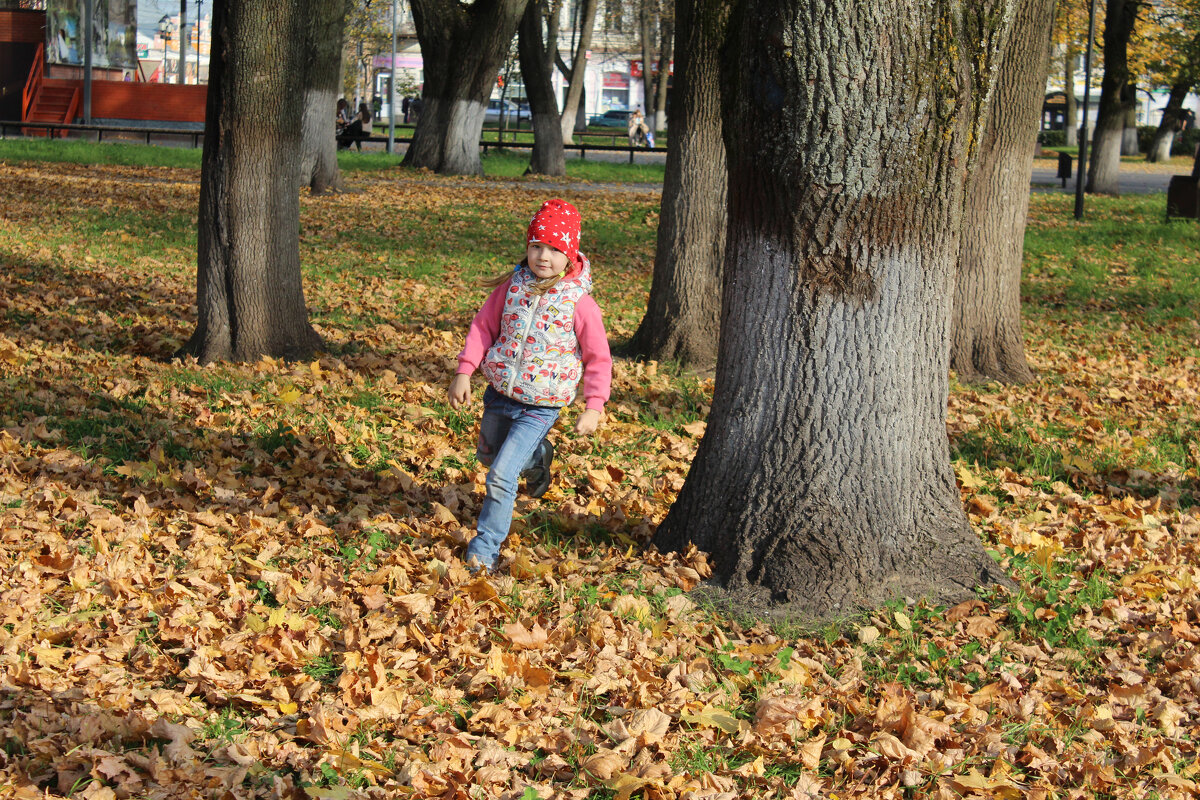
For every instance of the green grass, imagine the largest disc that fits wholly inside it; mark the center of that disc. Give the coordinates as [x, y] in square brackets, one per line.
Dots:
[512, 164]
[503, 164]
[73, 151]
[1124, 258]
[225, 728]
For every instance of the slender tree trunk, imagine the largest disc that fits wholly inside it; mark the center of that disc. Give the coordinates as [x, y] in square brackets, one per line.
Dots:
[537, 68]
[665, 53]
[1071, 118]
[463, 47]
[1172, 122]
[683, 315]
[318, 153]
[1104, 169]
[986, 341]
[572, 107]
[824, 479]
[1129, 134]
[248, 286]
[646, 10]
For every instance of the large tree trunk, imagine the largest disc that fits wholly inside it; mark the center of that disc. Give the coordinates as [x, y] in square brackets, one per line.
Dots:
[537, 67]
[683, 315]
[1104, 169]
[986, 341]
[573, 117]
[666, 47]
[318, 152]
[463, 47]
[1172, 123]
[824, 478]
[248, 286]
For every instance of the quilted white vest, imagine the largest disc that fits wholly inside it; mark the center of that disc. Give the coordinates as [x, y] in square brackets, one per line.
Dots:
[535, 358]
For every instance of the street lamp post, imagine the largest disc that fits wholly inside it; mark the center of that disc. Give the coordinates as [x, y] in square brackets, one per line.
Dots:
[183, 37]
[391, 144]
[1081, 173]
[165, 28]
[199, 16]
[88, 33]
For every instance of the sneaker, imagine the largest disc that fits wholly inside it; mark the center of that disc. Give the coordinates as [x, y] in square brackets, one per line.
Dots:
[475, 566]
[537, 477]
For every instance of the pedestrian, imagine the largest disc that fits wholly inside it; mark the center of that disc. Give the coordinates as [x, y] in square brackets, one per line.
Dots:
[638, 129]
[404, 106]
[539, 332]
[358, 129]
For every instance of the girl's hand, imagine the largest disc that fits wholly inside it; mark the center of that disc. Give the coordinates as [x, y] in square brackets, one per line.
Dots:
[459, 392]
[588, 421]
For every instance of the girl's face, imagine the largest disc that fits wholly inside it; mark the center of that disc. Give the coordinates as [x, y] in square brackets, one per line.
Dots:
[544, 261]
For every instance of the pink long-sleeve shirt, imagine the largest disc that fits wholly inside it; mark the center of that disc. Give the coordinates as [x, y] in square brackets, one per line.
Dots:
[589, 330]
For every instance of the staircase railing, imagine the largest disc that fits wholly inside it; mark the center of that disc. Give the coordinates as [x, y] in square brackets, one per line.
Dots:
[33, 84]
[73, 109]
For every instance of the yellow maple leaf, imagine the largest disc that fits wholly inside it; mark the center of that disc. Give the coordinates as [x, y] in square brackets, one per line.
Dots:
[624, 785]
[709, 717]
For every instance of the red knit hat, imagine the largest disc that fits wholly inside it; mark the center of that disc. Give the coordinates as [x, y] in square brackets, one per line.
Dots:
[557, 224]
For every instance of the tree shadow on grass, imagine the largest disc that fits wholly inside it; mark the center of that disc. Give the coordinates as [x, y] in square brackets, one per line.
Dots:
[55, 304]
[116, 449]
[117, 445]
[120, 451]
[68, 742]
[1046, 464]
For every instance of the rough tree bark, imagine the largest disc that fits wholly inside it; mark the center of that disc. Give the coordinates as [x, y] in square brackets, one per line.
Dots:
[537, 42]
[1103, 175]
[248, 284]
[318, 153]
[683, 314]
[463, 47]
[986, 342]
[824, 479]
[575, 73]
[1171, 124]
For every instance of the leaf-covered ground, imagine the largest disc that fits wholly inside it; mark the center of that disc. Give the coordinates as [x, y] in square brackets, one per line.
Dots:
[244, 581]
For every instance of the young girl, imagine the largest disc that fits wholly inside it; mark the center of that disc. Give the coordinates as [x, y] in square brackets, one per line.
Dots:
[538, 332]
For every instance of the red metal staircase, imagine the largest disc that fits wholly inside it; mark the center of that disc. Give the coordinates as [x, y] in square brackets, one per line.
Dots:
[48, 101]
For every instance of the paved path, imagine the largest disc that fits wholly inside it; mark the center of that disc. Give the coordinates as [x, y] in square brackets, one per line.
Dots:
[1045, 180]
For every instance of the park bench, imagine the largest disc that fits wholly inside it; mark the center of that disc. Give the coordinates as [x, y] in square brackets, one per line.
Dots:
[1183, 193]
[15, 127]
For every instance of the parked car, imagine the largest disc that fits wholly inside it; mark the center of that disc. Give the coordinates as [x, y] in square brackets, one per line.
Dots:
[494, 109]
[611, 119]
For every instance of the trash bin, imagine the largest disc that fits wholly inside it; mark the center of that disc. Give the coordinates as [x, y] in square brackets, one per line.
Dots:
[1183, 197]
[1064, 167]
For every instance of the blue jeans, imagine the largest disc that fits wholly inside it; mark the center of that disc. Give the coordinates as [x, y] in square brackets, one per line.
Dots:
[509, 435]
